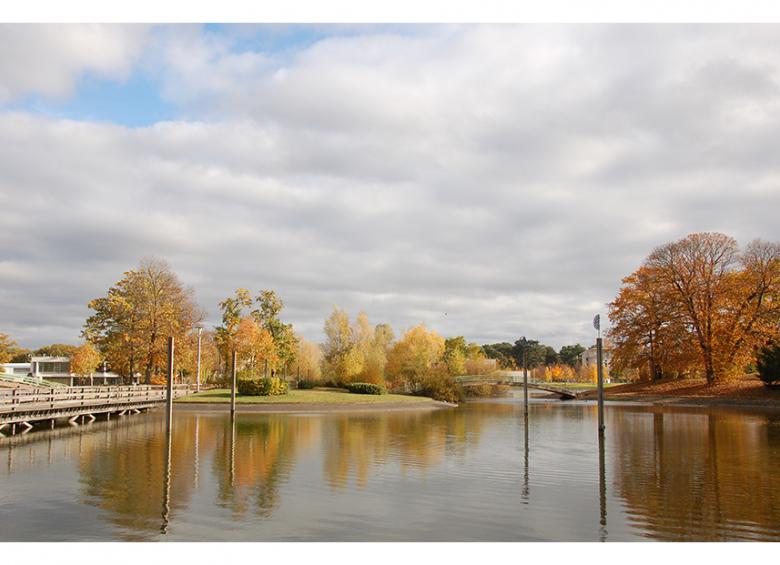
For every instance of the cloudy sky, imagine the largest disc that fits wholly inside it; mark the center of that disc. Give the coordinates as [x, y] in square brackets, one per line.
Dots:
[489, 181]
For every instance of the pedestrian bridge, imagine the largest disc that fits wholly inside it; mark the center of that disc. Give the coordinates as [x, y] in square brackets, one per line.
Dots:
[22, 407]
[497, 378]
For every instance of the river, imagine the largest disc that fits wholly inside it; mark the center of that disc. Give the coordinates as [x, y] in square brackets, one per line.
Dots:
[472, 473]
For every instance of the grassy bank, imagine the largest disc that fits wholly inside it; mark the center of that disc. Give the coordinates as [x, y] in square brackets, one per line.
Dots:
[746, 390]
[222, 395]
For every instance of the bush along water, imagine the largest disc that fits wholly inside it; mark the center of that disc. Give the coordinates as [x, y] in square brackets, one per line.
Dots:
[272, 386]
[365, 388]
[306, 384]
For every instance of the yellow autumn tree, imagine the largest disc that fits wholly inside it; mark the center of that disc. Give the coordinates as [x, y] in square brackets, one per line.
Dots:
[308, 360]
[7, 348]
[131, 324]
[413, 358]
[85, 360]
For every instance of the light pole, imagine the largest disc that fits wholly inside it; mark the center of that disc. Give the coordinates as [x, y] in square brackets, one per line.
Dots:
[599, 371]
[197, 376]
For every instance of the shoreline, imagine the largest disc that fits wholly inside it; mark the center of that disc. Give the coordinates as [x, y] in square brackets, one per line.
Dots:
[746, 391]
[692, 401]
[314, 407]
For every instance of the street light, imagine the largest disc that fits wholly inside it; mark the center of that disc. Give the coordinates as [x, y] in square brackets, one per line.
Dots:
[197, 376]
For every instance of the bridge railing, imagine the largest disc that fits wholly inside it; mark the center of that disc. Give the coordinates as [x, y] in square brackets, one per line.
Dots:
[25, 398]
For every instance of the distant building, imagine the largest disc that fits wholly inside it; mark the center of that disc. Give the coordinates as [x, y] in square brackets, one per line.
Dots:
[15, 369]
[589, 356]
[57, 370]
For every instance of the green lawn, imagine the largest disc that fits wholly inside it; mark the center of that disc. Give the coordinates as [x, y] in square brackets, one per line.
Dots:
[304, 397]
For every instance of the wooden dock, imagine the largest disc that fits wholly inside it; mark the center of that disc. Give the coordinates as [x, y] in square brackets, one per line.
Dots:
[23, 407]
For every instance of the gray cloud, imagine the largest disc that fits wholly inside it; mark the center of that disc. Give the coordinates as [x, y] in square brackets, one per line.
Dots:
[508, 176]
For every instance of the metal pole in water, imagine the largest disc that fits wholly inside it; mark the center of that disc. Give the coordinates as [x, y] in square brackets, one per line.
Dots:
[169, 391]
[602, 491]
[197, 385]
[600, 373]
[233, 386]
[525, 384]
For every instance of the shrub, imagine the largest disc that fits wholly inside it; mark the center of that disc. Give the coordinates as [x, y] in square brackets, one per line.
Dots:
[768, 364]
[307, 384]
[273, 386]
[439, 385]
[486, 390]
[365, 388]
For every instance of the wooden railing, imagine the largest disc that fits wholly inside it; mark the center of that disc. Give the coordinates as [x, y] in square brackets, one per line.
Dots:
[18, 399]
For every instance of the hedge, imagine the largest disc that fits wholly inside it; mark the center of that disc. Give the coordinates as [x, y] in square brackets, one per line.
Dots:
[306, 384]
[262, 387]
[365, 388]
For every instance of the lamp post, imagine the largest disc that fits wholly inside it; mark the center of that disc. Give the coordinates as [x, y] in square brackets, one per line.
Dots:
[197, 376]
[599, 372]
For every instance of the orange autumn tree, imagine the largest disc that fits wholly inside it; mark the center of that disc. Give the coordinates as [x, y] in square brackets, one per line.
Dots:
[255, 347]
[698, 304]
[647, 333]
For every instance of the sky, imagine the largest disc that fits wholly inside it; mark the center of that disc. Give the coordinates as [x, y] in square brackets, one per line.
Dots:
[491, 181]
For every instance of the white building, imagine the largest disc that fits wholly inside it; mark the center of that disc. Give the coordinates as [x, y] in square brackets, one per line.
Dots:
[57, 369]
[15, 370]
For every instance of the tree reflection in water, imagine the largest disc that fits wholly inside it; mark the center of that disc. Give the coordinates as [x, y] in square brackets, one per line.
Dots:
[673, 469]
[673, 474]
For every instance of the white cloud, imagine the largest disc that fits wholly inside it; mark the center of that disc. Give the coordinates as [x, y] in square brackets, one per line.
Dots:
[508, 176]
[49, 59]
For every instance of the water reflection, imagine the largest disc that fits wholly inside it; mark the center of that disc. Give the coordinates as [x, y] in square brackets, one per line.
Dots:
[698, 476]
[526, 490]
[446, 474]
[602, 489]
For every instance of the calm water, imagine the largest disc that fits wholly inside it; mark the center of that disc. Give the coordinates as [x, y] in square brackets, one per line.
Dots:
[473, 473]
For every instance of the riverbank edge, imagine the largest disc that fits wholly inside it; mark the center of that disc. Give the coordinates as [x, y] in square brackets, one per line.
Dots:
[315, 408]
[685, 401]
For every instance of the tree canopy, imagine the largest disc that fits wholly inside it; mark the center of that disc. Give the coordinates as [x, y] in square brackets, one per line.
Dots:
[131, 324]
[698, 305]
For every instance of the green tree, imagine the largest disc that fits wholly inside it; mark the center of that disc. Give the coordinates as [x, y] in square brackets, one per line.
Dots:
[768, 364]
[56, 350]
[535, 353]
[270, 306]
[570, 354]
[503, 353]
[232, 313]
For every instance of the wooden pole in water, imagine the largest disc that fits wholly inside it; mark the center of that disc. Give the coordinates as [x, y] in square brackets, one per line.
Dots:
[525, 384]
[600, 373]
[169, 384]
[233, 386]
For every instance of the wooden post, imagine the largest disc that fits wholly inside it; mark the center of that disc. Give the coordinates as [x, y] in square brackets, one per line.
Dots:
[197, 387]
[525, 384]
[169, 392]
[600, 373]
[233, 386]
